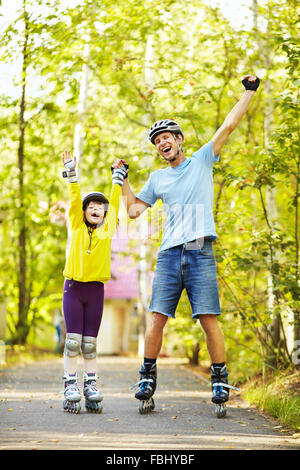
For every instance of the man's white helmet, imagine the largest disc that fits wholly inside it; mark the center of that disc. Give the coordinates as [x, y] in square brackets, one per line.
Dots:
[165, 125]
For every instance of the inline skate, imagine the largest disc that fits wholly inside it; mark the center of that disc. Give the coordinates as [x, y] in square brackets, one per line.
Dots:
[220, 389]
[71, 394]
[92, 395]
[146, 388]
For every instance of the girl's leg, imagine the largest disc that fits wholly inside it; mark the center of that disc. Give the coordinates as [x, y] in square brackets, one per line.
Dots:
[89, 353]
[71, 352]
[94, 296]
[94, 292]
[73, 314]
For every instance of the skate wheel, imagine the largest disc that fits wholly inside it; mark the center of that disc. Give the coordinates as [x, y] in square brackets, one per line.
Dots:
[76, 408]
[146, 406]
[94, 407]
[71, 406]
[220, 410]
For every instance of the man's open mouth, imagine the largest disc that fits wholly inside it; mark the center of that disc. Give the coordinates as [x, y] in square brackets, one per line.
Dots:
[167, 149]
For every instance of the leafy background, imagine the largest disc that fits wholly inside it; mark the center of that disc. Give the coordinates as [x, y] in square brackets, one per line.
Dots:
[147, 60]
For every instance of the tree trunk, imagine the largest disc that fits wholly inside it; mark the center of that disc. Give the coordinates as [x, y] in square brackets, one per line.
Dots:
[194, 357]
[83, 93]
[266, 55]
[22, 327]
[297, 312]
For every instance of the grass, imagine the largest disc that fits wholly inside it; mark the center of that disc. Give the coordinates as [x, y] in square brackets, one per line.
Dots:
[20, 355]
[278, 397]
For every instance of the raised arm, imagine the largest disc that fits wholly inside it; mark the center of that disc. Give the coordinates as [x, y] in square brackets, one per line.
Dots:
[70, 166]
[134, 206]
[232, 120]
[75, 209]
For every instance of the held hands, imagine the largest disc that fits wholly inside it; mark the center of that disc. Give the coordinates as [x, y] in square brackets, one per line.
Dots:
[119, 171]
[251, 82]
[70, 166]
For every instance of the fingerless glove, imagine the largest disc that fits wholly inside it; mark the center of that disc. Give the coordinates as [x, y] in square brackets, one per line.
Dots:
[251, 85]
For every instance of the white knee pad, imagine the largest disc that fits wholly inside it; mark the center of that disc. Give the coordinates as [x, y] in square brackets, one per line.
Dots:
[89, 347]
[72, 344]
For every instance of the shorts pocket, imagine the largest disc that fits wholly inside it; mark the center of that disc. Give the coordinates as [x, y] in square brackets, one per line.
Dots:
[163, 254]
[206, 250]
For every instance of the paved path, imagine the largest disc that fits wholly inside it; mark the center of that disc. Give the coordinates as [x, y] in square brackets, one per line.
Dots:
[32, 417]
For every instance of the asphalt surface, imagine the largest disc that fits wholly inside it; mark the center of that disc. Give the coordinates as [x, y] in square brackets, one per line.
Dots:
[32, 416]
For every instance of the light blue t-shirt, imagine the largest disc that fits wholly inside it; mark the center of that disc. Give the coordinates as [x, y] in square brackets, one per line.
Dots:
[187, 194]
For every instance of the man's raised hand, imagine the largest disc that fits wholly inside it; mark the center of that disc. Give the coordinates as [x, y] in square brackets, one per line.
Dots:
[250, 82]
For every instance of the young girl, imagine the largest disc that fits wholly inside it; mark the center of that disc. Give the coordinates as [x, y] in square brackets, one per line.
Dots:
[93, 222]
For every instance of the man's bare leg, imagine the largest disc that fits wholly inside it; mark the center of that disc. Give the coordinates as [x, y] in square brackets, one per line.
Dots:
[148, 373]
[214, 338]
[154, 335]
[216, 348]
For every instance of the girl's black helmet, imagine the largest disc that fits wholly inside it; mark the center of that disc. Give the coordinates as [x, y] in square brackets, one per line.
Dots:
[94, 196]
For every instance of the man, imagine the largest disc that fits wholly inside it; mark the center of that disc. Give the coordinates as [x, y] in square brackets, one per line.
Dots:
[185, 258]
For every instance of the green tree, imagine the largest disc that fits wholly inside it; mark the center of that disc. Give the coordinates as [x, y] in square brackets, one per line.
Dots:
[197, 62]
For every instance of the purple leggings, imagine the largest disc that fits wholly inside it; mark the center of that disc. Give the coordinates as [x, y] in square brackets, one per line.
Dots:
[83, 307]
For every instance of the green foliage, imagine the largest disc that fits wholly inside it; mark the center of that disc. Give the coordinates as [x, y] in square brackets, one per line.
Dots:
[279, 397]
[194, 76]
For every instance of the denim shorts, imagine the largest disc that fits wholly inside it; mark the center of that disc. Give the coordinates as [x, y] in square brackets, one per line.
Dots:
[180, 268]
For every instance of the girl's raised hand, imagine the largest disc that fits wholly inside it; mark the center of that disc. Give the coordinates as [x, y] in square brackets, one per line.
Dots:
[67, 157]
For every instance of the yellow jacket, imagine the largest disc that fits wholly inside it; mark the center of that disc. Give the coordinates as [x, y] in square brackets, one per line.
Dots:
[94, 266]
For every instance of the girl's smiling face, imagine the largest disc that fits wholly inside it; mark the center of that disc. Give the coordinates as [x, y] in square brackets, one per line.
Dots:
[94, 212]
